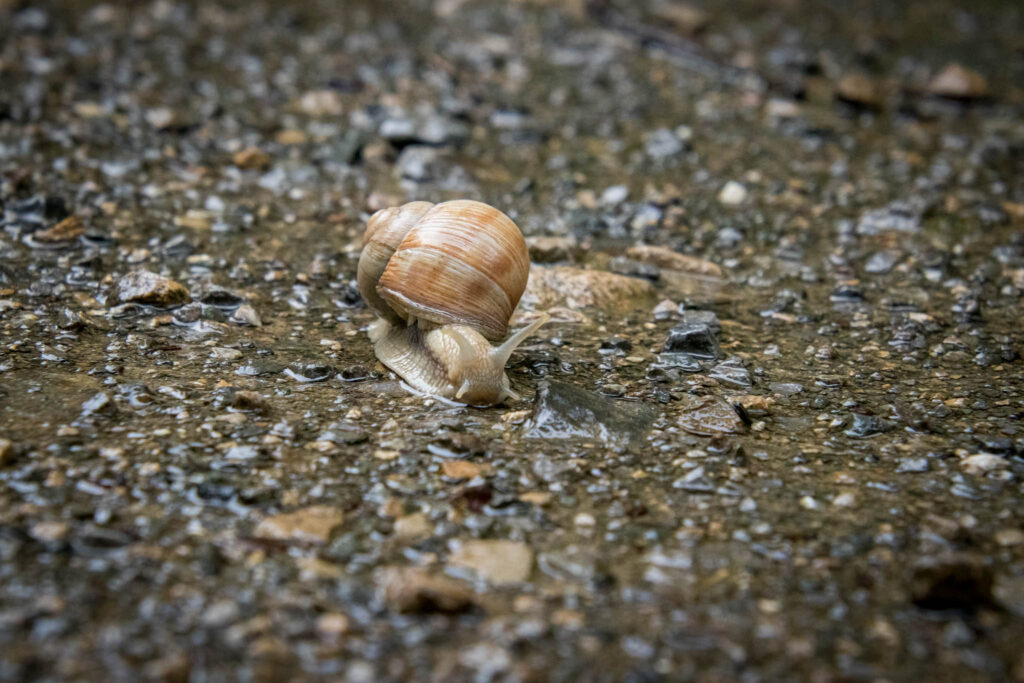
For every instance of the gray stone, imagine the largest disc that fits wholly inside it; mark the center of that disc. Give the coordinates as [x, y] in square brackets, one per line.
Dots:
[696, 339]
[564, 411]
[146, 287]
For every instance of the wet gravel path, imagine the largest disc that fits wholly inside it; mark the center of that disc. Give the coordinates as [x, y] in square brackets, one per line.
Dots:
[772, 432]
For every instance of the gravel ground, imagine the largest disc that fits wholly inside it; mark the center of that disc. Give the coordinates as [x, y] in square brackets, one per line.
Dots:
[773, 431]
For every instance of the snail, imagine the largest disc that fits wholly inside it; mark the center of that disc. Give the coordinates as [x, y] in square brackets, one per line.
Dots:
[444, 280]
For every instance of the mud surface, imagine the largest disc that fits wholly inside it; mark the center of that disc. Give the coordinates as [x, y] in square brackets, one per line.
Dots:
[773, 431]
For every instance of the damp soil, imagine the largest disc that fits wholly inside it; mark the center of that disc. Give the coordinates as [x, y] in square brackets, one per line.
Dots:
[785, 443]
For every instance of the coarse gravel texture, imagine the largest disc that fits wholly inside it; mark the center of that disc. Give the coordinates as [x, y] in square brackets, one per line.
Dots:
[773, 431]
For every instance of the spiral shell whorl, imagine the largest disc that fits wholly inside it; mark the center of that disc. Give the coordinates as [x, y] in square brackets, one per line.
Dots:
[384, 232]
[463, 262]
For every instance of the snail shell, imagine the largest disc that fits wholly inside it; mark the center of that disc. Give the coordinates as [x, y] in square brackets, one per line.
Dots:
[472, 255]
[444, 280]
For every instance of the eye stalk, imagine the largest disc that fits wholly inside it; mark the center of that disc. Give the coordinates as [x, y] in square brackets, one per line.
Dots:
[477, 370]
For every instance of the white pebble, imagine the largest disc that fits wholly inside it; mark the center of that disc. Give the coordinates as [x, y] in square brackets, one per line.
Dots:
[584, 519]
[732, 194]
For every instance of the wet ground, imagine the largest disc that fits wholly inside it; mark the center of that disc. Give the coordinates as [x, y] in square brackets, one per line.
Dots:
[780, 440]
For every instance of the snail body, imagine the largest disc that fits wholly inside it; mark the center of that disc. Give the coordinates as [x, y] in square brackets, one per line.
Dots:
[444, 280]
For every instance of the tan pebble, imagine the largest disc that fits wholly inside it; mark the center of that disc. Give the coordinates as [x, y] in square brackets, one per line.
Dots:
[332, 624]
[526, 603]
[246, 315]
[162, 118]
[753, 403]
[461, 469]
[48, 532]
[413, 527]
[860, 89]
[584, 519]
[148, 469]
[958, 82]
[733, 194]
[309, 525]
[515, 416]
[194, 219]
[779, 108]
[982, 463]
[844, 500]
[150, 288]
[1009, 537]
[567, 618]
[498, 561]
[666, 308]
[587, 199]
[6, 451]
[67, 230]
[251, 158]
[320, 103]
[290, 137]
[313, 568]
[578, 288]
[672, 260]
[708, 415]
[392, 508]
[540, 498]
[683, 18]
[884, 630]
[89, 110]
[808, 503]
[412, 590]
[843, 478]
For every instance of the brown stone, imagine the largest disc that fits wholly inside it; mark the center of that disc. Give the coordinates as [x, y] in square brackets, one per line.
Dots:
[194, 219]
[861, 89]
[414, 527]
[461, 469]
[959, 83]
[308, 525]
[320, 103]
[708, 415]
[540, 498]
[246, 399]
[252, 158]
[498, 561]
[332, 624]
[673, 260]
[290, 136]
[49, 532]
[685, 19]
[579, 288]
[413, 590]
[67, 230]
[145, 287]
[753, 403]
